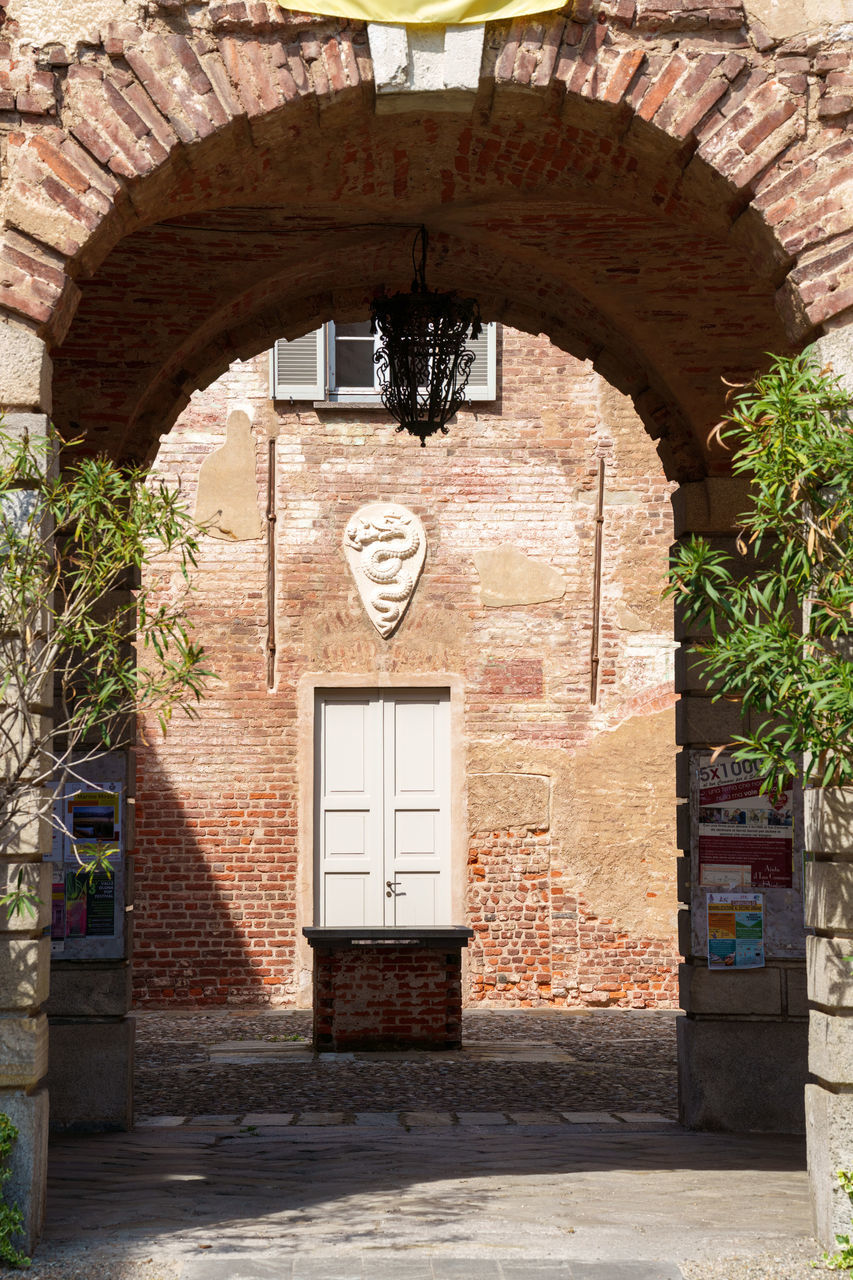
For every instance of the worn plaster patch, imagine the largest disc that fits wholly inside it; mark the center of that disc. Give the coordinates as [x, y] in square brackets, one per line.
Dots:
[627, 620]
[504, 801]
[784, 18]
[76, 20]
[227, 485]
[509, 577]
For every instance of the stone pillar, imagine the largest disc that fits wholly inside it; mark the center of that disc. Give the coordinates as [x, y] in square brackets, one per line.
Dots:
[742, 1041]
[91, 1036]
[829, 911]
[25, 372]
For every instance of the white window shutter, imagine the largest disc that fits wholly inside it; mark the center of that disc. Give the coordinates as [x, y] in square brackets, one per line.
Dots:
[298, 368]
[482, 382]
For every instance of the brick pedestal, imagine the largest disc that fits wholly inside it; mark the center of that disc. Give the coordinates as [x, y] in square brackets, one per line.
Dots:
[387, 988]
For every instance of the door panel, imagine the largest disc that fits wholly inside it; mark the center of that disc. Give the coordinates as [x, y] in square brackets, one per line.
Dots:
[382, 808]
[346, 900]
[416, 900]
[413, 726]
[417, 807]
[349, 813]
[416, 834]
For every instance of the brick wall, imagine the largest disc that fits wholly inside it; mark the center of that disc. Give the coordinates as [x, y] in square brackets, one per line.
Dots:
[573, 904]
[387, 997]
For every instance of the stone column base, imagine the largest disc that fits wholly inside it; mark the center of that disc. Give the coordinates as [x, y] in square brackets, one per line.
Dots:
[829, 1135]
[742, 1075]
[90, 1076]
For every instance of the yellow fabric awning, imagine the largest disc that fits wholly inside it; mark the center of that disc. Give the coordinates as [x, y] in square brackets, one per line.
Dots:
[429, 12]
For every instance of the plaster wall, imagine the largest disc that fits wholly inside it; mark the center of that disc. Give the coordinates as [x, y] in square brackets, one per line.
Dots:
[565, 813]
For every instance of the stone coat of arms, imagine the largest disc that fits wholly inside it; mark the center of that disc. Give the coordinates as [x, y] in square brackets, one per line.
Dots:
[385, 547]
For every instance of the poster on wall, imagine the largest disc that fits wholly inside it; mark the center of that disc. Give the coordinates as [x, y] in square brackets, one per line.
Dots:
[57, 910]
[93, 819]
[735, 931]
[745, 838]
[84, 903]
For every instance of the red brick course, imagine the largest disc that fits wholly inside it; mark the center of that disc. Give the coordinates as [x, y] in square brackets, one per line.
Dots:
[387, 997]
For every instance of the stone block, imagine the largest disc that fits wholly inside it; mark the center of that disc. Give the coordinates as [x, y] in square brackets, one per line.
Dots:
[831, 1048]
[829, 1141]
[36, 880]
[91, 1074]
[37, 427]
[750, 991]
[100, 989]
[685, 940]
[830, 972]
[688, 677]
[829, 896]
[742, 1075]
[796, 992]
[829, 820]
[26, 370]
[24, 971]
[425, 68]
[23, 1051]
[28, 1161]
[836, 346]
[701, 722]
[712, 505]
[33, 834]
[500, 801]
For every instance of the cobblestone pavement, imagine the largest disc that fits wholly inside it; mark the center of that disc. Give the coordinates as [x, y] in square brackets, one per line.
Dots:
[201, 1062]
[547, 1150]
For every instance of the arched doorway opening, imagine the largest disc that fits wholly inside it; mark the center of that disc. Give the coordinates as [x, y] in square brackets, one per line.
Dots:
[203, 194]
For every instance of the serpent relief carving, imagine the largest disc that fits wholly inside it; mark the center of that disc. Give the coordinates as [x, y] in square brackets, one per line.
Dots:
[385, 545]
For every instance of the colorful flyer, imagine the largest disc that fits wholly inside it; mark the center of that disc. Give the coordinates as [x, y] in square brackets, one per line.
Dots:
[93, 818]
[745, 837]
[100, 905]
[75, 905]
[735, 930]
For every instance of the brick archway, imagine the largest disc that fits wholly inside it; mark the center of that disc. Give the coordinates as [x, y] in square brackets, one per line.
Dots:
[657, 185]
[659, 193]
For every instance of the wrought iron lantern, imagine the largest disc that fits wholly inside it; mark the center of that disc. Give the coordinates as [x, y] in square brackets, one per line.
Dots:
[421, 360]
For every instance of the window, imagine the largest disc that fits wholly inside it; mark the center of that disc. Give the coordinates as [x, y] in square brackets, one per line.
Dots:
[335, 363]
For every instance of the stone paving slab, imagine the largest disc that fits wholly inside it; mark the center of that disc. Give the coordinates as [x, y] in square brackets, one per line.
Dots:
[261, 1119]
[589, 1120]
[430, 1119]
[371, 1267]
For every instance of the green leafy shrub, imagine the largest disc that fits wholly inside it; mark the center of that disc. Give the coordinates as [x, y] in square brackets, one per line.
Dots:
[779, 609]
[11, 1218]
[843, 1260]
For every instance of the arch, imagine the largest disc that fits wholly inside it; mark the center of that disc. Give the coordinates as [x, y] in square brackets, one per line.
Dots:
[670, 207]
[656, 184]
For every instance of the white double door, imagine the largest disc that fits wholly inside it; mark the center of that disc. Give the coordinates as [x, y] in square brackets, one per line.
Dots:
[382, 807]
